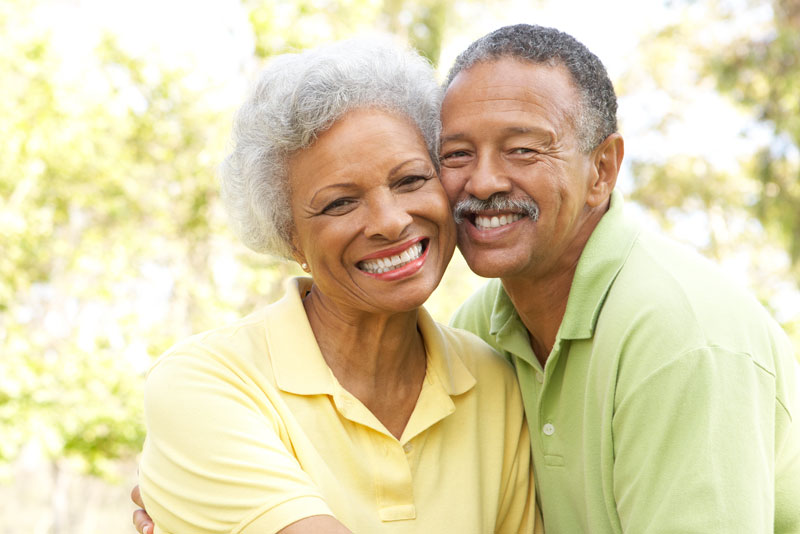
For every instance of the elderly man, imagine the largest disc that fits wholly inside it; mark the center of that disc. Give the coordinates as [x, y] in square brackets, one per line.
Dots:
[660, 397]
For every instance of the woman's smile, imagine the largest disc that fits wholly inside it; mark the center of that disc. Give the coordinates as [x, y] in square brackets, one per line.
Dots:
[396, 263]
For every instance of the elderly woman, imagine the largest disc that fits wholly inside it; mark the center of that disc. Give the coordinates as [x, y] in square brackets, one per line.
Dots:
[343, 406]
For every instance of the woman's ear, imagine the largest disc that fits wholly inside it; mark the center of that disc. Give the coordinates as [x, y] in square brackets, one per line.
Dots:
[298, 255]
[606, 161]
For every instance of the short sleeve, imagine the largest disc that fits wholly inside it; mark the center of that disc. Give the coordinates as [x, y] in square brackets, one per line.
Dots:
[217, 458]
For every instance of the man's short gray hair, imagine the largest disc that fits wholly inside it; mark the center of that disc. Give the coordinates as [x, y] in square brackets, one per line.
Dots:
[299, 96]
[597, 115]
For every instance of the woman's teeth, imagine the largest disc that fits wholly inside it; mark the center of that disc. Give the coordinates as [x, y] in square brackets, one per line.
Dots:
[382, 265]
[493, 222]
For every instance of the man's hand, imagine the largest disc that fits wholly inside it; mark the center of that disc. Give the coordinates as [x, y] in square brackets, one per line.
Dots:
[142, 521]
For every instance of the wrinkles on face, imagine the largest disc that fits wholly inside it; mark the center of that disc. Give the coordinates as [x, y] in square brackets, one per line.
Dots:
[513, 139]
[365, 190]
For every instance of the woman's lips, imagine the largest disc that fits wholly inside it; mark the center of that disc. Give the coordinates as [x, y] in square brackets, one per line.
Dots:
[394, 259]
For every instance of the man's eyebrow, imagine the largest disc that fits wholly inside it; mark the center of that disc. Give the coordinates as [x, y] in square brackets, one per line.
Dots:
[453, 137]
[509, 130]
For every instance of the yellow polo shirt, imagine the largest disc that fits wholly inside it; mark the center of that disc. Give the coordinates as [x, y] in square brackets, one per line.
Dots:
[249, 431]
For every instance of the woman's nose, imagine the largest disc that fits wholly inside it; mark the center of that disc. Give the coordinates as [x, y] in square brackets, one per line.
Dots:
[387, 217]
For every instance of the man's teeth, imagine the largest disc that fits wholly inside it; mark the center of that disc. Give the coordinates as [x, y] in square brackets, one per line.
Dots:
[483, 222]
[382, 265]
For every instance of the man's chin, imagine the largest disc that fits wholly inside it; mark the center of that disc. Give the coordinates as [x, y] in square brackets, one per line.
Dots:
[489, 264]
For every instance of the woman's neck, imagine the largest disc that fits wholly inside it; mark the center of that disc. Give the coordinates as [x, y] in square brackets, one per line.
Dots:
[379, 358]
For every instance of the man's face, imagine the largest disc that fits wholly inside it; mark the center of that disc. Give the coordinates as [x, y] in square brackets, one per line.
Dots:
[508, 134]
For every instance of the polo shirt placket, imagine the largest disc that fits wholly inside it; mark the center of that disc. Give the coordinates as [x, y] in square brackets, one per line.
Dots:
[394, 459]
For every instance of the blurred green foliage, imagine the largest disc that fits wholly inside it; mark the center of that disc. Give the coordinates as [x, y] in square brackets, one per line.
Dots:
[762, 74]
[291, 26]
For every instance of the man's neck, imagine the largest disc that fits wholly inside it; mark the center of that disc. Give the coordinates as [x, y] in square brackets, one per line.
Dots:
[540, 297]
[541, 303]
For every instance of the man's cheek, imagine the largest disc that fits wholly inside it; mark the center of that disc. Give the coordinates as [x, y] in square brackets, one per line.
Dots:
[451, 186]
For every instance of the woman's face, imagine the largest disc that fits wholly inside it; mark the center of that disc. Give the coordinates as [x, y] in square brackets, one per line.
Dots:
[371, 217]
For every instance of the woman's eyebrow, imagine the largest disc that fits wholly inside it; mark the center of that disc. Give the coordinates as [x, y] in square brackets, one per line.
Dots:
[340, 185]
[402, 164]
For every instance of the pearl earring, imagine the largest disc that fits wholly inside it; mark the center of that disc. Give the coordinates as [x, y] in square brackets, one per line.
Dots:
[304, 266]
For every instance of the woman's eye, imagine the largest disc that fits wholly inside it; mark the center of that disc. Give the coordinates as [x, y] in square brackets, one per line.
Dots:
[410, 183]
[339, 206]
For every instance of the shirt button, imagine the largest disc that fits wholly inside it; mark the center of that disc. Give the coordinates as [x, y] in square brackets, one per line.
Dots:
[408, 447]
[539, 378]
[548, 429]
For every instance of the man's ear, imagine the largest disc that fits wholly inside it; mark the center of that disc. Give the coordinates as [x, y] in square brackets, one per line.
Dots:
[606, 163]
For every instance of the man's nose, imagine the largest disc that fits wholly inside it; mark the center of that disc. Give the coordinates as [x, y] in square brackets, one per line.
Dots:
[487, 178]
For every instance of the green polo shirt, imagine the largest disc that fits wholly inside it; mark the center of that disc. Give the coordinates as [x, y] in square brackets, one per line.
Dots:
[670, 401]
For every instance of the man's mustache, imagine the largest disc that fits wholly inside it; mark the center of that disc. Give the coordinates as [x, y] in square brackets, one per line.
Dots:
[496, 202]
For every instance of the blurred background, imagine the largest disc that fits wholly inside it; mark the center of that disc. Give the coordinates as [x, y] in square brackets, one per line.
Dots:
[113, 245]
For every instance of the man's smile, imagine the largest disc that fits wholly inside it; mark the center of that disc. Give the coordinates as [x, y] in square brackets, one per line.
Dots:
[483, 222]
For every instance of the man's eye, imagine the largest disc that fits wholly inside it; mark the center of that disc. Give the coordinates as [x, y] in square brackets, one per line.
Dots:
[454, 154]
[339, 206]
[522, 150]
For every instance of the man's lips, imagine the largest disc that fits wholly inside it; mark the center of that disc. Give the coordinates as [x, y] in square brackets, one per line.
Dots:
[485, 222]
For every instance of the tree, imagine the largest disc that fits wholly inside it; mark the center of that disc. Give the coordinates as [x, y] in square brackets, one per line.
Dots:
[762, 74]
[293, 26]
[107, 192]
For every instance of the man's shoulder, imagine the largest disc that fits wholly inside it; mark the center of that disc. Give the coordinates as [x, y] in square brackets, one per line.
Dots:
[669, 300]
[675, 277]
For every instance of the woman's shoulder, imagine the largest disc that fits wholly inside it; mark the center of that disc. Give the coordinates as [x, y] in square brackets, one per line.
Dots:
[235, 346]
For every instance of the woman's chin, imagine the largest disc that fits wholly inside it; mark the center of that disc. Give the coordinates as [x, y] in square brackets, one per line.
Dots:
[404, 299]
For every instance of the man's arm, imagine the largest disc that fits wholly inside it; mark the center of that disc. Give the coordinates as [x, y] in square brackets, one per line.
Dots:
[310, 525]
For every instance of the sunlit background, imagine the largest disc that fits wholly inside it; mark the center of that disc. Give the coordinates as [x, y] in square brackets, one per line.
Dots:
[113, 245]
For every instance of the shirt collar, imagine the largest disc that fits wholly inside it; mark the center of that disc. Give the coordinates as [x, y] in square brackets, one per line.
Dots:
[300, 368]
[296, 359]
[443, 361]
[601, 260]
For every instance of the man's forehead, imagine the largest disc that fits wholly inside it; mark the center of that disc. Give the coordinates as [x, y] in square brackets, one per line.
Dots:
[509, 75]
[510, 91]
